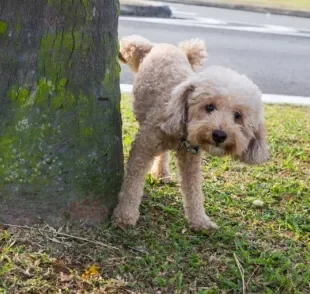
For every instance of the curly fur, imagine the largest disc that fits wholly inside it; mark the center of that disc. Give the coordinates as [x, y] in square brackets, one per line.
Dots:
[171, 98]
[134, 48]
[195, 51]
[132, 51]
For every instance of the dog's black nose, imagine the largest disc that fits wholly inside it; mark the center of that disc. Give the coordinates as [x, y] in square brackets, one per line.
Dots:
[219, 136]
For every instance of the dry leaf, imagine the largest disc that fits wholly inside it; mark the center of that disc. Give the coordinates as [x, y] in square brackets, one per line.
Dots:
[60, 267]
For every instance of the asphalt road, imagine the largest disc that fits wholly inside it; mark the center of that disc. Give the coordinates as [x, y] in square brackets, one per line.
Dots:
[278, 63]
[242, 16]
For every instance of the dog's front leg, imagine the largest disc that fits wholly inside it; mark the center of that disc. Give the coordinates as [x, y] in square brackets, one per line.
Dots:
[139, 162]
[190, 171]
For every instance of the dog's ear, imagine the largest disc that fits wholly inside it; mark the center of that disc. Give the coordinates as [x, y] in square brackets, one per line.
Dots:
[176, 109]
[257, 151]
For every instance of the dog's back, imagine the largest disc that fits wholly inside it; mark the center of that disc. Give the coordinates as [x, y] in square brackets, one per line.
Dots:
[162, 69]
[158, 68]
[133, 50]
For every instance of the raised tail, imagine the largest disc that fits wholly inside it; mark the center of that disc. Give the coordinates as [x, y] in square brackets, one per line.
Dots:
[132, 51]
[195, 51]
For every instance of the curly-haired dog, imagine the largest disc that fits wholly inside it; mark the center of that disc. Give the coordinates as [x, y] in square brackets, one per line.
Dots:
[217, 110]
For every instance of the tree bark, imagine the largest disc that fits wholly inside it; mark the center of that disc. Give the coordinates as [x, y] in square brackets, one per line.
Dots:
[60, 128]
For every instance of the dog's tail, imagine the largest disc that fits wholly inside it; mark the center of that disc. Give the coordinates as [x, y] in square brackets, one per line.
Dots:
[195, 51]
[133, 49]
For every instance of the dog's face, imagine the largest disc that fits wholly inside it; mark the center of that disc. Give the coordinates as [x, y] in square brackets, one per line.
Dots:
[218, 124]
[224, 114]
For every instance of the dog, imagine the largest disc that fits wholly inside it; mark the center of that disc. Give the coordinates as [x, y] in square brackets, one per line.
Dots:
[180, 108]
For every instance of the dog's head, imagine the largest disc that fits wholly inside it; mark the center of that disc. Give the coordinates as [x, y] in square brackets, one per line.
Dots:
[222, 113]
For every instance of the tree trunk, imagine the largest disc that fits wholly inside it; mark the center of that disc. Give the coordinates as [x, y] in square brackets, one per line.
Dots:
[60, 128]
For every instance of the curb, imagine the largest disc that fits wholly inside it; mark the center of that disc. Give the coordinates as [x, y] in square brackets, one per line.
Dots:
[267, 98]
[161, 11]
[244, 7]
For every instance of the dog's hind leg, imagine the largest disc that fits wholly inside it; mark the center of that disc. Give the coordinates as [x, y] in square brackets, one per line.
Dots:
[142, 152]
[160, 168]
[190, 170]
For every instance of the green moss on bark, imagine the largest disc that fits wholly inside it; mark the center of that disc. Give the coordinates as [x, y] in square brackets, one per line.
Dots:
[3, 27]
[60, 141]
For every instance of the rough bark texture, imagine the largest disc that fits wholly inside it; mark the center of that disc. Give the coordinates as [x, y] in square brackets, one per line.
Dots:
[60, 127]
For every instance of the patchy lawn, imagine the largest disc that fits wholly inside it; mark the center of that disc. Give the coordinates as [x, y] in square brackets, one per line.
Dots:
[261, 249]
[303, 5]
[284, 4]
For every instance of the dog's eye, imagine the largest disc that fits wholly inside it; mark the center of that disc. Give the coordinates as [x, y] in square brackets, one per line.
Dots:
[210, 108]
[237, 115]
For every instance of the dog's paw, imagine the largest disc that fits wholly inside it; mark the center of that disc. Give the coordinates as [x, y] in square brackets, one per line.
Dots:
[124, 218]
[200, 223]
[164, 178]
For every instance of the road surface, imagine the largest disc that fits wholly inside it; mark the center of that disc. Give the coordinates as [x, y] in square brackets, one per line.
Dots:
[272, 50]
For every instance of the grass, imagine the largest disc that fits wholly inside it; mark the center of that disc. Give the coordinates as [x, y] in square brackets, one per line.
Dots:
[265, 250]
[284, 4]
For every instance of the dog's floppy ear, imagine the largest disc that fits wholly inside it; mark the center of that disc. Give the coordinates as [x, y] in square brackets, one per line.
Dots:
[176, 109]
[257, 151]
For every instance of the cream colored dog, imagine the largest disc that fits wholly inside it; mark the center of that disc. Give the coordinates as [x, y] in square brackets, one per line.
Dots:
[217, 110]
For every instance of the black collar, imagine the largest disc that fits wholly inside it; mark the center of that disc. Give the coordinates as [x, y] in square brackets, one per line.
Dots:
[184, 144]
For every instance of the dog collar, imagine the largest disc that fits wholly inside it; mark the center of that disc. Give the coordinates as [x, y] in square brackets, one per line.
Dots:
[184, 144]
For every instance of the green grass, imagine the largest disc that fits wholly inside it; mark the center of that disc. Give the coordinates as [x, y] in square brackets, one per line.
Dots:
[161, 254]
[284, 4]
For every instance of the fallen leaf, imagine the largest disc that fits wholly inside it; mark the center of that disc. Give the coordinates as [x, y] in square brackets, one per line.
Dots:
[60, 267]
